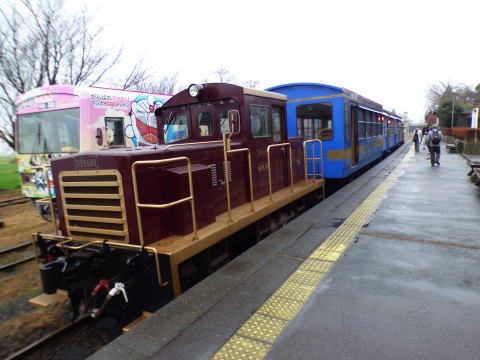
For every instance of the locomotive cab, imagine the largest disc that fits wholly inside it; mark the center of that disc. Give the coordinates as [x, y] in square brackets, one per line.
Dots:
[139, 226]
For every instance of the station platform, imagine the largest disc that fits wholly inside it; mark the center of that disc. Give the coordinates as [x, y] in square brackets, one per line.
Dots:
[385, 268]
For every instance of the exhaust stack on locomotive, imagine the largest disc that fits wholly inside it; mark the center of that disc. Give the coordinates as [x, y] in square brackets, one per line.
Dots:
[139, 226]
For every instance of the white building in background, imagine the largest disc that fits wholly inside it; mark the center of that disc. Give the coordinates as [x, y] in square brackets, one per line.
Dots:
[407, 123]
[475, 111]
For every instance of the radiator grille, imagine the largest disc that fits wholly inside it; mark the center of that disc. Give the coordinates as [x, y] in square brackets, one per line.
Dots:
[93, 205]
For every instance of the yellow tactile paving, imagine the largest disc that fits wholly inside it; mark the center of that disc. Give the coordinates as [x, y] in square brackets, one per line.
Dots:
[325, 255]
[315, 265]
[281, 308]
[240, 348]
[309, 278]
[254, 338]
[261, 327]
[294, 291]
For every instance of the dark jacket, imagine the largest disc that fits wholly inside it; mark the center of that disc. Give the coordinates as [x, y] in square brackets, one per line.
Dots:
[416, 136]
[430, 137]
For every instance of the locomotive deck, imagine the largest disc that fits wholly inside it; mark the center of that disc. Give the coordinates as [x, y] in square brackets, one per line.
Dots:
[180, 248]
[403, 285]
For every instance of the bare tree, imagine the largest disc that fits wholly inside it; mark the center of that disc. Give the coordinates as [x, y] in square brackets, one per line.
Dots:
[41, 44]
[165, 85]
[439, 92]
[223, 75]
[459, 94]
[136, 78]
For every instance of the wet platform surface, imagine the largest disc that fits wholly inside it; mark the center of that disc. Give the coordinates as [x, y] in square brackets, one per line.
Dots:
[407, 287]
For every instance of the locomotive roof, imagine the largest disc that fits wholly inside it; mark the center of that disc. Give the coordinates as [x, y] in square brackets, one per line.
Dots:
[218, 91]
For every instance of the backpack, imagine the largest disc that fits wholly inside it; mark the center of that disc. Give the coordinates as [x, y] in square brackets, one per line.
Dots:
[436, 137]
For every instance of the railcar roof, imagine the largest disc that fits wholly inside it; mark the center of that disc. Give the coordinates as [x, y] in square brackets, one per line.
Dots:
[80, 90]
[290, 85]
[326, 88]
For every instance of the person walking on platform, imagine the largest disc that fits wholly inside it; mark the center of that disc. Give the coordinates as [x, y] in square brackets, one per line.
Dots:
[425, 142]
[433, 142]
[424, 137]
[417, 138]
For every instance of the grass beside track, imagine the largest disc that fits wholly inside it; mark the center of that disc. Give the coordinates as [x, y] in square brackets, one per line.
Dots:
[9, 178]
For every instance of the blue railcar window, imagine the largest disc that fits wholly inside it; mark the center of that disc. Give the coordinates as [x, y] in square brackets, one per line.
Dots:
[362, 131]
[299, 127]
[315, 121]
[307, 128]
[368, 120]
[260, 121]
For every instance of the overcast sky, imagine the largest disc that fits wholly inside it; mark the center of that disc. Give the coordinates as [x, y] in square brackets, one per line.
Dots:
[389, 51]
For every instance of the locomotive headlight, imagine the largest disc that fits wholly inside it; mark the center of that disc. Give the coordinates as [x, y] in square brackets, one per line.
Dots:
[194, 90]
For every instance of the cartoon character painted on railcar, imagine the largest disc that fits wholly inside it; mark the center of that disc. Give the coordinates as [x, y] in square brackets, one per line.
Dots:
[58, 120]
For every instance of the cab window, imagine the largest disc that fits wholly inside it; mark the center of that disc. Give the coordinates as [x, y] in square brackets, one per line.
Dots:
[176, 129]
[260, 121]
[276, 124]
[224, 124]
[205, 123]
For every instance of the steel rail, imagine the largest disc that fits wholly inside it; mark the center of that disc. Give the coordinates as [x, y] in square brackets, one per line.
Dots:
[12, 250]
[43, 340]
[16, 247]
[16, 201]
[18, 262]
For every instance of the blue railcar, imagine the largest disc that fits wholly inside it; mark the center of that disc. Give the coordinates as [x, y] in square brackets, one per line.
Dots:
[353, 129]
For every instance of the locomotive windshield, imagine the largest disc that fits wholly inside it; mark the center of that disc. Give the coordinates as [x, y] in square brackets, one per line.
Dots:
[177, 128]
[200, 121]
[49, 132]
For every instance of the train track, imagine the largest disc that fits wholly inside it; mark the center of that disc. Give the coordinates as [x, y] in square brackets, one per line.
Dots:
[76, 340]
[47, 340]
[16, 255]
[14, 201]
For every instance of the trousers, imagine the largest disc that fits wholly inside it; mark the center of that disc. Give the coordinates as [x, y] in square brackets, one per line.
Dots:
[435, 155]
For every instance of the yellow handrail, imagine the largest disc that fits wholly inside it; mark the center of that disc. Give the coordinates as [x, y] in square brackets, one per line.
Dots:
[314, 159]
[269, 147]
[226, 148]
[194, 143]
[163, 206]
[226, 151]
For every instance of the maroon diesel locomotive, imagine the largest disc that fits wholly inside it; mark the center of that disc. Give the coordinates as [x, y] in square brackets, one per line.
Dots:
[139, 226]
